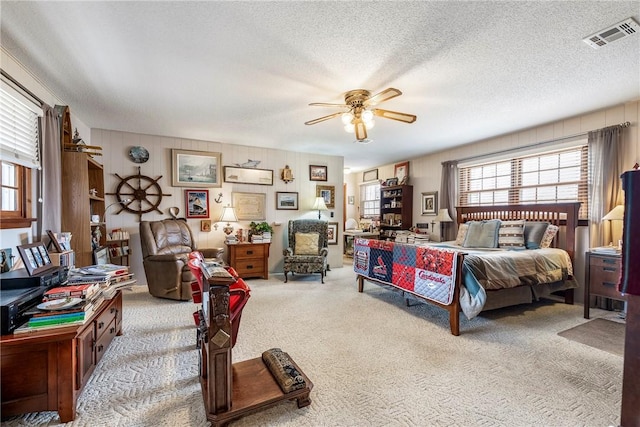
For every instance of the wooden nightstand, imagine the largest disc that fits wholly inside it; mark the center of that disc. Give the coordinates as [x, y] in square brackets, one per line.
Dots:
[601, 278]
[250, 259]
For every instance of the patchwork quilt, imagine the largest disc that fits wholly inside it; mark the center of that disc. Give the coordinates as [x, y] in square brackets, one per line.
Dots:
[430, 271]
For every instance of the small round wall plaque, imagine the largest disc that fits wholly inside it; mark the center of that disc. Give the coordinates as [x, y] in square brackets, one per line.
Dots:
[138, 154]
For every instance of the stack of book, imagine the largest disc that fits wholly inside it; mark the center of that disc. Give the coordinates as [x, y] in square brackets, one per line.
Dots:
[64, 306]
[113, 277]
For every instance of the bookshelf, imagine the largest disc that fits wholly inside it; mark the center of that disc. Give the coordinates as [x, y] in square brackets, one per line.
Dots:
[118, 251]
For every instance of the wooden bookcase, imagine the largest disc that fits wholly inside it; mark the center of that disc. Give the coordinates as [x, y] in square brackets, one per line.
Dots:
[119, 251]
[396, 209]
[80, 173]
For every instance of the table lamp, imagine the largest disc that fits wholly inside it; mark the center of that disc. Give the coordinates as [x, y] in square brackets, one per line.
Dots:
[443, 216]
[228, 216]
[615, 214]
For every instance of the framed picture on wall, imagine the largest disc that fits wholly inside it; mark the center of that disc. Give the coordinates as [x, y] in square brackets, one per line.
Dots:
[430, 203]
[249, 206]
[197, 203]
[328, 193]
[195, 168]
[332, 232]
[317, 173]
[286, 200]
[401, 171]
[370, 175]
[248, 175]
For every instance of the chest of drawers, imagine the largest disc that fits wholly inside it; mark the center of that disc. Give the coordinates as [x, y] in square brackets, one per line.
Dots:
[601, 278]
[249, 259]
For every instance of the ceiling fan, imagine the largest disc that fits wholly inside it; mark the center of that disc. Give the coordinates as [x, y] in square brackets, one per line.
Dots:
[358, 112]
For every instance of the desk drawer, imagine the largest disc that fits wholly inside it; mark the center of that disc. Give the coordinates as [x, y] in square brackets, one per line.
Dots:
[250, 251]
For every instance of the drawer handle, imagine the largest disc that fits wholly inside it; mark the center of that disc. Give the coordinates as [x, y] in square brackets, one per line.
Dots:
[100, 347]
[113, 310]
[100, 325]
[112, 330]
[249, 252]
[609, 269]
[609, 284]
[609, 261]
[249, 266]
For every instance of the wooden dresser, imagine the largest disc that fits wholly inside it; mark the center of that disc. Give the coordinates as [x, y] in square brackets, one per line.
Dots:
[249, 259]
[601, 278]
[58, 363]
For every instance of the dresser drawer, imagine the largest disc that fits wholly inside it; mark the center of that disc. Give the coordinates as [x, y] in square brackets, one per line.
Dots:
[604, 275]
[247, 267]
[105, 319]
[104, 340]
[250, 251]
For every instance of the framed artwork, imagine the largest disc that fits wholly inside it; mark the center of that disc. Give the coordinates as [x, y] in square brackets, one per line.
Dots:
[328, 193]
[249, 206]
[332, 232]
[197, 203]
[317, 173]
[401, 171]
[54, 241]
[351, 200]
[391, 182]
[33, 259]
[371, 175]
[195, 168]
[101, 256]
[248, 175]
[286, 201]
[430, 203]
[6, 260]
[205, 225]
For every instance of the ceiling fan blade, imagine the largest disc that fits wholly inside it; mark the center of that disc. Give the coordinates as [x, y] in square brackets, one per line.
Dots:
[394, 115]
[322, 119]
[361, 130]
[327, 104]
[383, 96]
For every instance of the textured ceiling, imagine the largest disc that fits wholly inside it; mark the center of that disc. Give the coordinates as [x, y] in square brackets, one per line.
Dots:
[245, 72]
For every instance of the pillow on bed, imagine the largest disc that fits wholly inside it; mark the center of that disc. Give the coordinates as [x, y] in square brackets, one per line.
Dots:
[533, 232]
[511, 234]
[482, 234]
[549, 234]
[462, 233]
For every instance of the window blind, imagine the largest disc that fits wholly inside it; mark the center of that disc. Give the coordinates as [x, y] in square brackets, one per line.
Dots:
[19, 134]
[550, 177]
[370, 200]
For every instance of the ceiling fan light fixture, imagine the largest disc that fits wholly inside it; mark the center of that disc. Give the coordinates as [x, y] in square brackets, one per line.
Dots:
[347, 118]
[366, 116]
[370, 124]
[349, 128]
[363, 141]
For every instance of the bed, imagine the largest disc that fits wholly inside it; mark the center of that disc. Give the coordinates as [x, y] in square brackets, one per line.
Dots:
[465, 276]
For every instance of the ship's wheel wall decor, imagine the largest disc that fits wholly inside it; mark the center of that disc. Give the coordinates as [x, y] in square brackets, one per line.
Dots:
[143, 193]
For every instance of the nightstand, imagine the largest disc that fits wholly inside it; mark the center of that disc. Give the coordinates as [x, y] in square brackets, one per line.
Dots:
[601, 277]
[249, 259]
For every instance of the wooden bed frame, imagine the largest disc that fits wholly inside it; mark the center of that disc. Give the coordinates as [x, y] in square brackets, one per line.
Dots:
[564, 215]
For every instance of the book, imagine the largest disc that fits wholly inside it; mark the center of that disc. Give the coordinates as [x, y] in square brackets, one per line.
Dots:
[84, 291]
[26, 328]
[606, 250]
[108, 270]
[56, 319]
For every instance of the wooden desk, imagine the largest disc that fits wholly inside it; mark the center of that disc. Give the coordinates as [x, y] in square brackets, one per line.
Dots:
[59, 362]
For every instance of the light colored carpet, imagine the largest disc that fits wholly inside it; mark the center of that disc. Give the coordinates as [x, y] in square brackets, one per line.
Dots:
[373, 362]
[603, 334]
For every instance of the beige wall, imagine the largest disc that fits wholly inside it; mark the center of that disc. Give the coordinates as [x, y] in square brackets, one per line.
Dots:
[425, 171]
[116, 146]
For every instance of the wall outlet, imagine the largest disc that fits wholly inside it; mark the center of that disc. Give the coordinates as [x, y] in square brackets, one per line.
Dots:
[331, 214]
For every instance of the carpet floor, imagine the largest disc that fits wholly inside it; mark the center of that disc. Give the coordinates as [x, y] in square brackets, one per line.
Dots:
[603, 334]
[373, 362]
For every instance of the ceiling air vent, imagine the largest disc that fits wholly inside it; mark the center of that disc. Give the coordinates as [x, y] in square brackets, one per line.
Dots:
[620, 30]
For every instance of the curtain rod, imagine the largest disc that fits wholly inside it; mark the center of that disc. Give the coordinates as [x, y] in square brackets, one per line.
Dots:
[537, 144]
[6, 75]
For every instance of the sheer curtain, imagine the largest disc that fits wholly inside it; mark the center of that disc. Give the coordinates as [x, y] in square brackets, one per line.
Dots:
[448, 188]
[51, 189]
[605, 190]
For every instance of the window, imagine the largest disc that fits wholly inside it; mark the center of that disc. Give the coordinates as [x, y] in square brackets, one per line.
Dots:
[19, 152]
[552, 177]
[370, 200]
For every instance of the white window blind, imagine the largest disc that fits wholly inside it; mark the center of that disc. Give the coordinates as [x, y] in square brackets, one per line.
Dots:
[370, 200]
[551, 177]
[19, 139]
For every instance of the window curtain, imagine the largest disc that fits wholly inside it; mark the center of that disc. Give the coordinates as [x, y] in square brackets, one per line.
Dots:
[605, 190]
[448, 187]
[51, 188]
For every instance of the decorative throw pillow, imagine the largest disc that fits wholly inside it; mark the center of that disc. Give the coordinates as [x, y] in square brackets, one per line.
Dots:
[306, 244]
[462, 233]
[533, 232]
[549, 234]
[511, 234]
[482, 234]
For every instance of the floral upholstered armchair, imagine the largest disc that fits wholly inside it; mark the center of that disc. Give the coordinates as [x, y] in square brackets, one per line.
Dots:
[307, 252]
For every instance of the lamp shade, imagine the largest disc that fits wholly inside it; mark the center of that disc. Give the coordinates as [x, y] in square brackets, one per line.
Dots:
[443, 216]
[228, 214]
[319, 204]
[616, 213]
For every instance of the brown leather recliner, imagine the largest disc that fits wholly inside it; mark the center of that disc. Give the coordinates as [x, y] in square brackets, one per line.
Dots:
[166, 246]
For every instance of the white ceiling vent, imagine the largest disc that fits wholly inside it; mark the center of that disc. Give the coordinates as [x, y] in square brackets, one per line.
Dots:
[622, 29]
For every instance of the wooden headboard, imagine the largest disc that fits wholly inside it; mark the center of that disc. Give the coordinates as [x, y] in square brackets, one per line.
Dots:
[564, 215]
